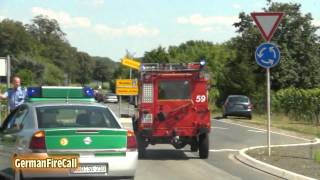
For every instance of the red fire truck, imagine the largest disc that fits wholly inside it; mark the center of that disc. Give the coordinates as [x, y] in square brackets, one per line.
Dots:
[173, 107]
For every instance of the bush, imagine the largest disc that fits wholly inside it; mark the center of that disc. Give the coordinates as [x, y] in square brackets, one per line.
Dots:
[300, 104]
[317, 156]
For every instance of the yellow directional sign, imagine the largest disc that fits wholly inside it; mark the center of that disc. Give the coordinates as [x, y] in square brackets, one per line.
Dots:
[127, 91]
[127, 87]
[127, 83]
[131, 63]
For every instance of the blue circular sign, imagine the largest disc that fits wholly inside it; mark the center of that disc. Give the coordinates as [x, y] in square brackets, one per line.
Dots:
[267, 55]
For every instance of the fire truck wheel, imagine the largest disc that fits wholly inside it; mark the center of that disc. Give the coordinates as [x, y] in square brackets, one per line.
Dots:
[204, 146]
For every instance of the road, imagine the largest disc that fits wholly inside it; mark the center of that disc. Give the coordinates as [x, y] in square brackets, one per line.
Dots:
[125, 108]
[226, 139]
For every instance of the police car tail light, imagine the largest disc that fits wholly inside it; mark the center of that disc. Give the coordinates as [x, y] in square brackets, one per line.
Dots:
[38, 141]
[131, 141]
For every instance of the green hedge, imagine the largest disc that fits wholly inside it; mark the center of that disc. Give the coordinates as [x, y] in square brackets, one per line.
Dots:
[300, 104]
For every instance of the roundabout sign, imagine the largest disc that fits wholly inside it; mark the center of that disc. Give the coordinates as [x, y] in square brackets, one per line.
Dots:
[267, 55]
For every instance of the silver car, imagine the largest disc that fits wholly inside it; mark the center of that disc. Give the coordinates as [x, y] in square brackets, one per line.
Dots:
[87, 130]
[237, 105]
[111, 98]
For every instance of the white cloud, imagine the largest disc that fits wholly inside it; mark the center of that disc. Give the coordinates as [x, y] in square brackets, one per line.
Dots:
[105, 30]
[182, 20]
[93, 3]
[132, 31]
[140, 30]
[217, 29]
[206, 29]
[2, 18]
[236, 6]
[97, 2]
[199, 20]
[316, 22]
[65, 19]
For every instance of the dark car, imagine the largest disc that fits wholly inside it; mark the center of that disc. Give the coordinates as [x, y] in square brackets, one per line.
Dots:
[237, 105]
[98, 96]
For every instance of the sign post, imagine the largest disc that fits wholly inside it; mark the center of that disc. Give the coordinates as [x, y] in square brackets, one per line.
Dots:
[126, 87]
[5, 70]
[267, 55]
[132, 64]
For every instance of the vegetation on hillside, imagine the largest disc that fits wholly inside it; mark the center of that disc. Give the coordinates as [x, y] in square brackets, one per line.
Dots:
[42, 55]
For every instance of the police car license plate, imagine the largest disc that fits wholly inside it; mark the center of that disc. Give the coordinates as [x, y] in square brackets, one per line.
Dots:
[90, 169]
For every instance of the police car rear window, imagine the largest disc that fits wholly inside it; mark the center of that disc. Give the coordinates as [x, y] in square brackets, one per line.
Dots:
[75, 116]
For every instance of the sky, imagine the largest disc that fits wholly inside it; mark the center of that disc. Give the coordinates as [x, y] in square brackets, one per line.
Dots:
[110, 28]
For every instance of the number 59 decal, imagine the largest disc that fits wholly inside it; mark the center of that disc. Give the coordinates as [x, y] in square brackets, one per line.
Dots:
[200, 98]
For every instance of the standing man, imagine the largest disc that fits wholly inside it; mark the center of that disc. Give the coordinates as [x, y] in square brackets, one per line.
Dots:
[16, 95]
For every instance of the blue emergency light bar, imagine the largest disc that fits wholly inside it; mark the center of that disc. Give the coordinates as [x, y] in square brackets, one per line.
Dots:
[60, 92]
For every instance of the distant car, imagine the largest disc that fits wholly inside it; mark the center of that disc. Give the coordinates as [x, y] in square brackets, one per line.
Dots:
[237, 105]
[98, 97]
[111, 98]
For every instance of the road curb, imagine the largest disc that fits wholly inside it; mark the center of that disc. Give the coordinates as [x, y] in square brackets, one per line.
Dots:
[244, 158]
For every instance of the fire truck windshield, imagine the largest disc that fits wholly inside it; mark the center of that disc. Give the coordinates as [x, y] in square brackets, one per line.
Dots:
[173, 89]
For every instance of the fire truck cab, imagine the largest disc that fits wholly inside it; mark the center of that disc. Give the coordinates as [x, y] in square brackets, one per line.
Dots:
[173, 107]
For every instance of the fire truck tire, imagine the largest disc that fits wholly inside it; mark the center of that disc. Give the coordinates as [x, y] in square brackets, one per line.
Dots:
[204, 146]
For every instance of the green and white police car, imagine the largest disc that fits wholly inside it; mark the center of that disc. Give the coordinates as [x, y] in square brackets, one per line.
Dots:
[66, 121]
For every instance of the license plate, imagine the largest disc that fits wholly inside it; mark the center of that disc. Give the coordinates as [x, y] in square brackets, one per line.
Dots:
[90, 169]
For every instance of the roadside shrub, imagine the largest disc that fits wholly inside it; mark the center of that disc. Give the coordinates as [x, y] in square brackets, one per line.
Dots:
[299, 104]
[317, 156]
[213, 97]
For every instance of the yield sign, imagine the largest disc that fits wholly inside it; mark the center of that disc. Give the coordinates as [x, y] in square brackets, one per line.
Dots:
[267, 22]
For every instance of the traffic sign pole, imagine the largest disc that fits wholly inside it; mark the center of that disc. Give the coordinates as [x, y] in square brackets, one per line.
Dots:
[8, 78]
[130, 75]
[268, 110]
[267, 54]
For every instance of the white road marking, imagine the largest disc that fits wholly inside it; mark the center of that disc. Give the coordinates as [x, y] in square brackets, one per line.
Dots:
[190, 154]
[264, 130]
[257, 131]
[223, 150]
[219, 128]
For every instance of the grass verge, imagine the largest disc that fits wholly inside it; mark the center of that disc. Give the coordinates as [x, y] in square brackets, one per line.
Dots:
[317, 156]
[280, 121]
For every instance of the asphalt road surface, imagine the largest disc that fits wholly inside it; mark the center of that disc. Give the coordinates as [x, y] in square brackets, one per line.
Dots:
[124, 107]
[226, 139]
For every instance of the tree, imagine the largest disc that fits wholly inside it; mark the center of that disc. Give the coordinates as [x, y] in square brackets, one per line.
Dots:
[102, 71]
[158, 55]
[15, 40]
[299, 45]
[86, 66]
[298, 41]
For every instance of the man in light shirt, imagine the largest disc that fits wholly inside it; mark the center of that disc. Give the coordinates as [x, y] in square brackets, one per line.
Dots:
[16, 95]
